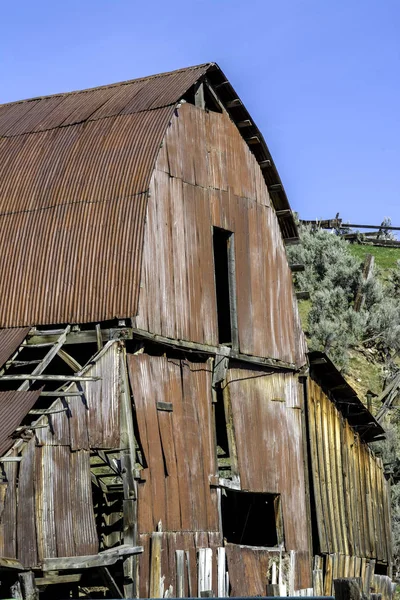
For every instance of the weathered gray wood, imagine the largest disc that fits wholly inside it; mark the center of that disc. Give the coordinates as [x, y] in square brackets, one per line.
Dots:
[28, 586]
[56, 579]
[180, 573]
[199, 96]
[15, 590]
[69, 360]
[48, 338]
[61, 394]
[221, 364]
[273, 589]
[32, 377]
[48, 358]
[155, 565]
[99, 338]
[348, 588]
[11, 563]
[103, 559]
[368, 268]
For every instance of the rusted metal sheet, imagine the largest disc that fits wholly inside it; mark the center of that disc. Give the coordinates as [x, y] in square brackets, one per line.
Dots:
[127, 97]
[10, 339]
[215, 182]
[8, 510]
[26, 513]
[267, 420]
[14, 406]
[349, 485]
[177, 445]
[84, 526]
[77, 178]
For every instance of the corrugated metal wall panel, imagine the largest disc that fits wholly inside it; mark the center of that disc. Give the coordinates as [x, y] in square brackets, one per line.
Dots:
[188, 195]
[349, 485]
[267, 419]
[14, 406]
[10, 340]
[178, 445]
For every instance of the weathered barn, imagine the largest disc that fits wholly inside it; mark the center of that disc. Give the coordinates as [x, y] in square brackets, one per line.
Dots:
[152, 398]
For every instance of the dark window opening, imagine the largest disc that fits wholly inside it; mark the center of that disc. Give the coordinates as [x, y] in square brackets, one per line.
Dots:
[251, 519]
[223, 454]
[225, 285]
[381, 569]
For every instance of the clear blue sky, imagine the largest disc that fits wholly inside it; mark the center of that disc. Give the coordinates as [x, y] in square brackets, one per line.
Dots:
[319, 77]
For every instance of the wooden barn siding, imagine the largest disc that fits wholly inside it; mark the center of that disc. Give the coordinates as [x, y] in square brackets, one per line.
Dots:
[206, 176]
[188, 541]
[267, 418]
[178, 446]
[46, 504]
[350, 490]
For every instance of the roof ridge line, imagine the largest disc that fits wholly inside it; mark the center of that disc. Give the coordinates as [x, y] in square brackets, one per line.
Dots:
[104, 87]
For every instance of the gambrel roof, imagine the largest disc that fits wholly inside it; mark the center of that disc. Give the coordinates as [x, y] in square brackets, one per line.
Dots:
[75, 169]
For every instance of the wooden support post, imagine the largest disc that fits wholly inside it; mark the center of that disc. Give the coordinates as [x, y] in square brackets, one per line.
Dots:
[28, 586]
[109, 581]
[348, 588]
[272, 589]
[180, 573]
[155, 565]
[368, 269]
[128, 459]
[199, 97]
[15, 590]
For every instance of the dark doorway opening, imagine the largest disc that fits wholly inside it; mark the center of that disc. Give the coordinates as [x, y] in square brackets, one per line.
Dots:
[252, 519]
[224, 271]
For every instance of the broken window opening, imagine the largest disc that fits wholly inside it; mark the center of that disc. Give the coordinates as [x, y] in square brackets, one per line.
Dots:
[225, 286]
[223, 453]
[252, 519]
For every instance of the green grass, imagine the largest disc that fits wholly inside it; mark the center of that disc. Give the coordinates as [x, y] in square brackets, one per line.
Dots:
[364, 374]
[304, 309]
[385, 258]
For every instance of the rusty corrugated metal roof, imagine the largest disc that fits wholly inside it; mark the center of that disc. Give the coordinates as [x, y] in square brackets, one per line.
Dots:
[14, 405]
[74, 175]
[10, 339]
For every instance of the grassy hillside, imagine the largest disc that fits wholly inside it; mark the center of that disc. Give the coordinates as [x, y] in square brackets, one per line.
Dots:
[385, 258]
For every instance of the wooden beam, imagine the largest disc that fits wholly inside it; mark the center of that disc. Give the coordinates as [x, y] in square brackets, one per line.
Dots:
[99, 338]
[69, 360]
[4, 459]
[253, 140]
[265, 164]
[47, 359]
[242, 124]
[51, 579]
[11, 563]
[103, 559]
[283, 213]
[110, 583]
[233, 103]
[291, 241]
[48, 338]
[214, 350]
[61, 394]
[28, 586]
[275, 187]
[199, 96]
[49, 377]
